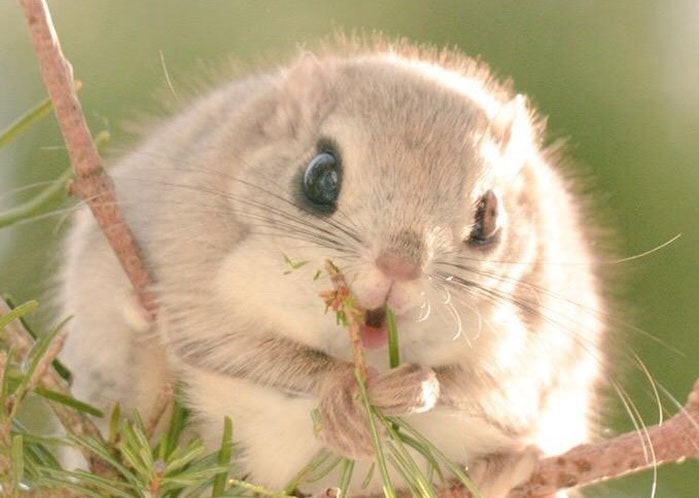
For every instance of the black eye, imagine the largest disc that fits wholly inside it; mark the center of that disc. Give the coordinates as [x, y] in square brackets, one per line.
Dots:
[485, 223]
[322, 178]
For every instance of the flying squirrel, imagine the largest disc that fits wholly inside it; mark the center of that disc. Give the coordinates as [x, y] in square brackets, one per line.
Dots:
[426, 182]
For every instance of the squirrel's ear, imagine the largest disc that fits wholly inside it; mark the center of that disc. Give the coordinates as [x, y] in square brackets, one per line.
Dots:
[305, 88]
[299, 96]
[514, 135]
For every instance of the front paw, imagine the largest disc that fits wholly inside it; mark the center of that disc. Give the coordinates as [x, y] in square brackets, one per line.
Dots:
[344, 422]
[404, 390]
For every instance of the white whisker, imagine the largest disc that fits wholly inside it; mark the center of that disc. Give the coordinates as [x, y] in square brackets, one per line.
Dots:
[650, 251]
[425, 309]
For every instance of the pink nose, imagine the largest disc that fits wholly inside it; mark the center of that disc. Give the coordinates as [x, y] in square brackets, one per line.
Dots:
[398, 266]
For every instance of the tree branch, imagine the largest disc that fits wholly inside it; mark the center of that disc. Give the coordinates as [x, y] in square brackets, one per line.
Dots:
[672, 441]
[92, 184]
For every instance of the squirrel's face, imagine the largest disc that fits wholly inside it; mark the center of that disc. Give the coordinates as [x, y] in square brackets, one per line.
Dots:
[411, 188]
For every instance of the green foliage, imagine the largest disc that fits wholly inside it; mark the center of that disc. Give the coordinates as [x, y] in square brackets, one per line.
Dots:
[17, 313]
[42, 202]
[393, 347]
[25, 121]
[130, 463]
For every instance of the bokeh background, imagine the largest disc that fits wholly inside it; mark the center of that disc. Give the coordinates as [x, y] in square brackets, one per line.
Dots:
[619, 80]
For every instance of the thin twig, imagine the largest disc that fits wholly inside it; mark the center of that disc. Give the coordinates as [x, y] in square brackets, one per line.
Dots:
[92, 184]
[341, 301]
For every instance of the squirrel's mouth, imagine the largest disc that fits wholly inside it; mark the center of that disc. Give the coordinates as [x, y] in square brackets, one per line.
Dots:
[373, 332]
[376, 317]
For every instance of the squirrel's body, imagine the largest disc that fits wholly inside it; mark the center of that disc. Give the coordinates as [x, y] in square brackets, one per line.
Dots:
[426, 184]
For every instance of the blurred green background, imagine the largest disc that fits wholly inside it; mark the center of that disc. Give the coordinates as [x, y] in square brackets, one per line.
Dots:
[620, 79]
